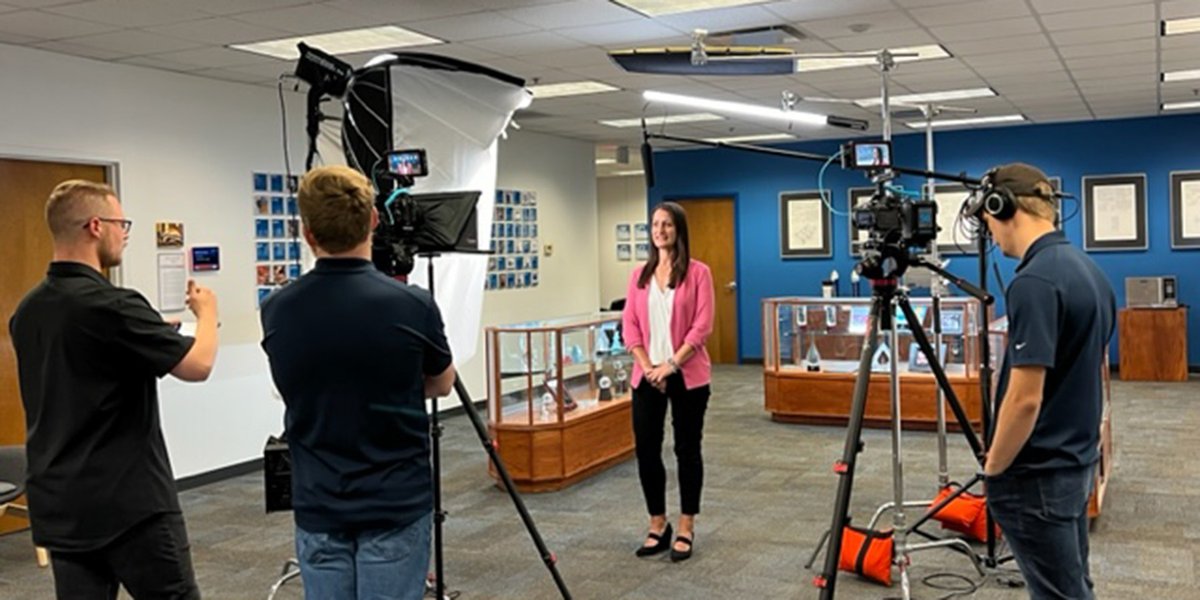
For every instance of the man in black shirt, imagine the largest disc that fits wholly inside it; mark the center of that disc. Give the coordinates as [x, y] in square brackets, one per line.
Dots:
[101, 492]
[354, 354]
[1041, 462]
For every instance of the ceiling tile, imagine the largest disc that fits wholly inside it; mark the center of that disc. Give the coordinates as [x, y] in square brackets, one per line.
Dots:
[875, 22]
[219, 31]
[308, 18]
[227, 75]
[632, 33]
[77, 50]
[1129, 58]
[987, 29]
[567, 14]
[807, 10]
[157, 63]
[970, 12]
[973, 47]
[1023, 59]
[214, 58]
[1117, 33]
[1149, 78]
[1057, 6]
[567, 59]
[1177, 8]
[526, 43]
[470, 27]
[129, 13]
[31, 23]
[1181, 42]
[232, 7]
[884, 39]
[132, 42]
[722, 19]
[392, 11]
[1108, 48]
[1093, 17]
[39, 3]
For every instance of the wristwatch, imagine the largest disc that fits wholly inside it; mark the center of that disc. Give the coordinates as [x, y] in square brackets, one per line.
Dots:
[674, 365]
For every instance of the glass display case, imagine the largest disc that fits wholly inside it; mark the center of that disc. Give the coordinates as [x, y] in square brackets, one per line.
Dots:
[559, 398]
[812, 347]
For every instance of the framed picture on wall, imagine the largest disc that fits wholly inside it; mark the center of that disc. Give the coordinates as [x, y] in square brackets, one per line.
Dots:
[1185, 209]
[858, 196]
[624, 252]
[1114, 212]
[804, 226]
[641, 232]
[954, 236]
[623, 232]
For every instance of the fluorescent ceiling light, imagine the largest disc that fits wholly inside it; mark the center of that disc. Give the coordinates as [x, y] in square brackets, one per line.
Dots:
[656, 8]
[1181, 105]
[761, 137]
[1178, 26]
[630, 172]
[738, 108]
[606, 161]
[967, 121]
[342, 42]
[928, 97]
[570, 88]
[1181, 75]
[663, 120]
[928, 52]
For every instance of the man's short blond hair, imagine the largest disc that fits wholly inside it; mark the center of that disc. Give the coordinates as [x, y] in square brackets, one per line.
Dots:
[72, 203]
[1044, 205]
[335, 206]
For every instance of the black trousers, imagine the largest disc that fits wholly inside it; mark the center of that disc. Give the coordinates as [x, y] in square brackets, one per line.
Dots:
[152, 561]
[687, 423]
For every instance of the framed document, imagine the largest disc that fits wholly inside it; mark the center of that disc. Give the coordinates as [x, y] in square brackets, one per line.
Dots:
[858, 196]
[1114, 212]
[1185, 209]
[804, 226]
[953, 237]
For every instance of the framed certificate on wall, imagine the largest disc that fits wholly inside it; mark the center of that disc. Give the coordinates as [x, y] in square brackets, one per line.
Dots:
[804, 226]
[1185, 209]
[1114, 212]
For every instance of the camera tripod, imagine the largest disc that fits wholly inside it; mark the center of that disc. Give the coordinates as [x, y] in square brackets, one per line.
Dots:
[886, 298]
[439, 516]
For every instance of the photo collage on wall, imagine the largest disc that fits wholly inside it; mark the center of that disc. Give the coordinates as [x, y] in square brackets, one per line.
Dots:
[276, 232]
[514, 241]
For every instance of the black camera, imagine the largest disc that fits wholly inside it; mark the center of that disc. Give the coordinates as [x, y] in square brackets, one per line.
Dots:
[896, 228]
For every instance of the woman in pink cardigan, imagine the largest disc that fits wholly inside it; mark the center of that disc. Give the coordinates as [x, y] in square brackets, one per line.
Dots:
[668, 316]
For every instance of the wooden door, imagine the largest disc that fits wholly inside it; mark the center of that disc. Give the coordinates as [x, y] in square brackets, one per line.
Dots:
[24, 187]
[712, 237]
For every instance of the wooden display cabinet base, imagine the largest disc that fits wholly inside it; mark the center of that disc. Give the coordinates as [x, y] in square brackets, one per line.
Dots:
[824, 399]
[550, 457]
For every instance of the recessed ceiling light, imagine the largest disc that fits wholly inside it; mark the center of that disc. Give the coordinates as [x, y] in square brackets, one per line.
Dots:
[1181, 75]
[739, 108]
[606, 161]
[342, 42]
[928, 52]
[1181, 105]
[656, 8]
[927, 97]
[1178, 26]
[968, 121]
[662, 120]
[569, 88]
[630, 172]
[761, 137]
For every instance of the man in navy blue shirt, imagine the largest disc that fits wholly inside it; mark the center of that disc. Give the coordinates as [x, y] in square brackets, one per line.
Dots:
[354, 354]
[1040, 466]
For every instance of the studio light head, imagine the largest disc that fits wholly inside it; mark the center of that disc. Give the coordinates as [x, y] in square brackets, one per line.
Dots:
[323, 71]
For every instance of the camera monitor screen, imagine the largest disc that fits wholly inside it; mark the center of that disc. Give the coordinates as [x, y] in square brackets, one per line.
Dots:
[407, 163]
[871, 155]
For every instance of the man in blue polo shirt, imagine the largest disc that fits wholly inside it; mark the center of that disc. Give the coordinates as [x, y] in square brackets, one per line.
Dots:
[354, 354]
[1041, 463]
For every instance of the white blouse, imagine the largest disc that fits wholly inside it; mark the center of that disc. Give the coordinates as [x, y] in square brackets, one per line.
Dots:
[662, 304]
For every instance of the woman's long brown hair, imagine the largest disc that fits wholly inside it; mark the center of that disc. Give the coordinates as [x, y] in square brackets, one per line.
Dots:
[679, 265]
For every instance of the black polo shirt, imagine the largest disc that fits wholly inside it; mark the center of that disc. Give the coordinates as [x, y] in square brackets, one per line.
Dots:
[349, 350]
[1060, 316]
[88, 357]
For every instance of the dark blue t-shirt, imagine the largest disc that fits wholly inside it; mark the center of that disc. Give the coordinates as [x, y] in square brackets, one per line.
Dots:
[349, 348]
[1060, 316]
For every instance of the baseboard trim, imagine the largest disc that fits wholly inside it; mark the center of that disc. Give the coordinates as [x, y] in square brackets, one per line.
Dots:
[749, 360]
[237, 470]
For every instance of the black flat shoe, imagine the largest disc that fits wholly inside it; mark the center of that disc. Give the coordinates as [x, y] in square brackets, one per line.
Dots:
[677, 555]
[663, 542]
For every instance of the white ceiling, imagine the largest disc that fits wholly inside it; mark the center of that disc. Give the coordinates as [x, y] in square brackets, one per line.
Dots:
[1051, 60]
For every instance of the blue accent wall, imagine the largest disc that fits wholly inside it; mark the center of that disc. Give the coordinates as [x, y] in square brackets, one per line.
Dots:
[1154, 146]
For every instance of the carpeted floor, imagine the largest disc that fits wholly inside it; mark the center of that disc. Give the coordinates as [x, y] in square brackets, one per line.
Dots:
[767, 498]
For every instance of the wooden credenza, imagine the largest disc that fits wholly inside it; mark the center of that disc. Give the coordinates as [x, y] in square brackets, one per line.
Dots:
[1153, 344]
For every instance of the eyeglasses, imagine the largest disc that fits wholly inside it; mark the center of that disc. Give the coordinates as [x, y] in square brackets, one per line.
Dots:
[126, 224]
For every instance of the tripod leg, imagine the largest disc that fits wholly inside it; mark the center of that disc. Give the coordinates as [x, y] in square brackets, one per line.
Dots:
[898, 516]
[439, 516]
[548, 558]
[817, 551]
[845, 468]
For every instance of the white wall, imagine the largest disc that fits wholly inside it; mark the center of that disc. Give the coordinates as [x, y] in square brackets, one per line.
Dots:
[563, 173]
[618, 200]
[185, 148]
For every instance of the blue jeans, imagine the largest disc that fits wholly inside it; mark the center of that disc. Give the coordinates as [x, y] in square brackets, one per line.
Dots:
[379, 564]
[1044, 516]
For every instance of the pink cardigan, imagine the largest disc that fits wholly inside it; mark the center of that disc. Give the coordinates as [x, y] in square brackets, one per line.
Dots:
[691, 321]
